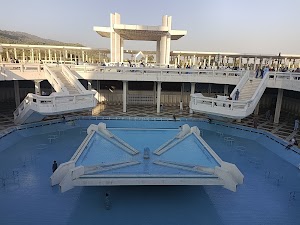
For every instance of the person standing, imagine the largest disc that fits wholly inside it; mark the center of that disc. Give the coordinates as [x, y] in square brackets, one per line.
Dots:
[237, 94]
[296, 125]
[54, 166]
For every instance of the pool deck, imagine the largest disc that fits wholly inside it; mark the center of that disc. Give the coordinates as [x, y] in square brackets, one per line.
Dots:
[283, 130]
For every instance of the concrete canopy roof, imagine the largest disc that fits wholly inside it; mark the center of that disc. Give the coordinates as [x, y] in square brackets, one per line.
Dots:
[138, 32]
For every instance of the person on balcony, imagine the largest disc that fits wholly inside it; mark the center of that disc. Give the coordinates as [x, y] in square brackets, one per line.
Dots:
[237, 95]
[54, 166]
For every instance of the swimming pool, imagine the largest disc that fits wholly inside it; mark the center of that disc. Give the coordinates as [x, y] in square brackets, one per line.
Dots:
[270, 193]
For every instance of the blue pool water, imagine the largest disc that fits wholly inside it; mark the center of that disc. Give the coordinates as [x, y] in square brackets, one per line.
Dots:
[270, 193]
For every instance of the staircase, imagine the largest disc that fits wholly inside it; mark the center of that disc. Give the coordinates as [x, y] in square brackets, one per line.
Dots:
[70, 96]
[249, 89]
[71, 88]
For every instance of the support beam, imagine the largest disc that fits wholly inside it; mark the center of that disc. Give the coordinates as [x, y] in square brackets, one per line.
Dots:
[158, 97]
[256, 110]
[17, 92]
[278, 106]
[37, 87]
[193, 87]
[226, 89]
[125, 96]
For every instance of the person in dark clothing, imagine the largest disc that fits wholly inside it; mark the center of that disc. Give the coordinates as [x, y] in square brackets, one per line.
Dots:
[54, 166]
[174, 117]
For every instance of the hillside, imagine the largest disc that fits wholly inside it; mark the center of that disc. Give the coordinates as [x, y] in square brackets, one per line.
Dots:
[13, 37]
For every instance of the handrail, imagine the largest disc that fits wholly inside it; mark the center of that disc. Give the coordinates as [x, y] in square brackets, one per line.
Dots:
[241, 83]
[165, 71]
[74, 81]
[54, 81]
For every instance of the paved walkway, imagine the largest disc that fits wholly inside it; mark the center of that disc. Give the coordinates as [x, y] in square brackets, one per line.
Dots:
[283, 130]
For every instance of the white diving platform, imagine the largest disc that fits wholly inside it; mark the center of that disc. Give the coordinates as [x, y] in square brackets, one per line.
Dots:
[176, 157]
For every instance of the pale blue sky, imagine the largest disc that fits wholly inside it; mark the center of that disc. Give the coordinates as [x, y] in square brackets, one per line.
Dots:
[256, 26]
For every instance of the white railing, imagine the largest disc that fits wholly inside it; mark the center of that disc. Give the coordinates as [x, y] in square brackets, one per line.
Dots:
[54, 104]
[22, 67]
[229, 108]
[72, 79]
[155, 70]
[54, 81]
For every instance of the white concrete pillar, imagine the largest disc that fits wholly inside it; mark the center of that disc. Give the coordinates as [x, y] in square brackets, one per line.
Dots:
[194, 60]
[37, 87]
[40, 57]
[193, 86]
[122, 50]
[163, 43]
[278, 106]
[256, 110]
[32, 55]
[209, 89]
[209, 59]
[158, 52]
[23, 55]
[154, 92]
[60, 56]
[17, 92]
[124, 96]
[55, 56]
[158, 97]
[240, 62]
[226, 89]
[49, 53]
[7, 56]
[15, 53]
[82, 56]
[89, 85]
[254, 67]
[71, 57]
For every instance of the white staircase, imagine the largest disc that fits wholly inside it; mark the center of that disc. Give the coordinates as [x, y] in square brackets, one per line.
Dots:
[70, 96]
[68, 85]
[251, 90]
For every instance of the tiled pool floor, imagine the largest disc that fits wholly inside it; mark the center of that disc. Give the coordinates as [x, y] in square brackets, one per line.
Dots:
[270, 193]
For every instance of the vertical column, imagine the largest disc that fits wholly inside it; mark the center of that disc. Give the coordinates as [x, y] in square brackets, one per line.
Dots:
[17, 92]
[15, 53]
[209, 59]
[240, 62]
[194, 60]
[226, 89]
[209, 90]
[158, 97]
[162, 51]
[50, 56]
[7, 55]
[256, 110]
[154, 92]
[23, 55]
[55, 56]
[278, 105]
[124, 95]
[37, 87]
[254, 67]
[60, 57]
[157, 52]
[122, 50]
[89, 85]
[40, 57]
[82, 56]
[31, 55]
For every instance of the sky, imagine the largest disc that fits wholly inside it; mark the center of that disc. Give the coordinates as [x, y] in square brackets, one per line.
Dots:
[242, 26]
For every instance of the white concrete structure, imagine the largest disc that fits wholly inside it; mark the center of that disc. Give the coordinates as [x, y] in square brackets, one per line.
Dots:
[118, 32]
[89, 165]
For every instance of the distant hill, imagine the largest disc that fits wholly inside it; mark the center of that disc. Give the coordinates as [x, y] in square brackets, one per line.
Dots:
[14, 37]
